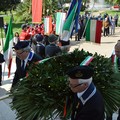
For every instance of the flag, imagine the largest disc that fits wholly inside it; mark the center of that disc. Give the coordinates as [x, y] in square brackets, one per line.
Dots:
[72, 4]
[115, 60]
[77, 15]
[44, 60]
[60, 19]
[93, 31]
[36, 11]
[69, 23]
[48, 25]
[87, 60]
[7, 49]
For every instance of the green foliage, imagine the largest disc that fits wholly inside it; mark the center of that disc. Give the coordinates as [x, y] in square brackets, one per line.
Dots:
[8, 4]
[44, 92]
[24, 10]
[116, 2]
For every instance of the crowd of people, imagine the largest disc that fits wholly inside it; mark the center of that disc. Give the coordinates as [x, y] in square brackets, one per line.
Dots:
[109, 23]
[40, 42]
[32, 45]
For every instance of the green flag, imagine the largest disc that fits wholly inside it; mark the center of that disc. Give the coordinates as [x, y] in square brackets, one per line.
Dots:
[69, 24]
[7, 50]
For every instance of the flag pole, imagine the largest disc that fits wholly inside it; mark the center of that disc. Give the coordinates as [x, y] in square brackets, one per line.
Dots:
[2, 38]
[3, 72]
[1, 51]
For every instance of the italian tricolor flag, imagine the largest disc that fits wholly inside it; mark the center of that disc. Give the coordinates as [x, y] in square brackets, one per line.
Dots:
[87, 60]
[93, 31]
[48, 25]
[69, 24]
[60, 19]
[115, 62]
[7, 50]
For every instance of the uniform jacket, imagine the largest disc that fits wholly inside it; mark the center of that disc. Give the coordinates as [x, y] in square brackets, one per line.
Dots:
[52, 50]
[40, 50]
[89, 106]
[24, 35]
[20, 73]
[1, 58]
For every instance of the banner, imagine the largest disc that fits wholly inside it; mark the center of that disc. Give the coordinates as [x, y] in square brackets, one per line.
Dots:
[71, 22]
[47, 25]
[36, 11]
[93, 31]
[60, 19]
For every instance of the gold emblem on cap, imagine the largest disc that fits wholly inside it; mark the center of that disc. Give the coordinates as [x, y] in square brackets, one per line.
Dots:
[78, 74]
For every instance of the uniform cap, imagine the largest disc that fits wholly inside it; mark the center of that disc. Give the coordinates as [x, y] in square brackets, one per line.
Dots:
[117, 45]
[39, 38]
[21, 45]
[52, 38]
[23, 26]
[80, 72]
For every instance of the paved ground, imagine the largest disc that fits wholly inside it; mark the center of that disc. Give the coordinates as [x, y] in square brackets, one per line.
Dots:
[105, 48]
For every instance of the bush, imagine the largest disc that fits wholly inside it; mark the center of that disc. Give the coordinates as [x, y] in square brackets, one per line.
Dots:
[45, 92]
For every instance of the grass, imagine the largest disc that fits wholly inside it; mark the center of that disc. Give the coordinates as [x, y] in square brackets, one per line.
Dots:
[16, 25]
[113, 12]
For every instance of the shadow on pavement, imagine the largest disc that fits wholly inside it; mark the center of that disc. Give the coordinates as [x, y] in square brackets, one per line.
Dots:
[2, 91]
[108, 42]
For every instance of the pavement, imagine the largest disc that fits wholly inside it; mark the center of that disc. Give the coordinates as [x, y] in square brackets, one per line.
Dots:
[105, 49]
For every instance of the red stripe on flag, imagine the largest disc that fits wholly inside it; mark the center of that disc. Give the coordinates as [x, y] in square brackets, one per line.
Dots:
[9, 67]
[87, 63]
[98, 31]
[113, 58]
[36, 11]
[50, 24]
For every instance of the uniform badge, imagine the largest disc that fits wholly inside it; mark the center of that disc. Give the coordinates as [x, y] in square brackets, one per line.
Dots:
[78, 74]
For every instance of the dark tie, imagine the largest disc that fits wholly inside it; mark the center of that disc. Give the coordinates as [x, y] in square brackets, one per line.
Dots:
[23, 64]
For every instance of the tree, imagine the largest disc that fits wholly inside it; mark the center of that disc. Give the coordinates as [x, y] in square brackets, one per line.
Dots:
[24, 10]
[49, 8]
[113, 1]
[6, 5]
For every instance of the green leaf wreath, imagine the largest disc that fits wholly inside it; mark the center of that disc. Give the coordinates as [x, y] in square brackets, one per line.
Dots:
[45, 94]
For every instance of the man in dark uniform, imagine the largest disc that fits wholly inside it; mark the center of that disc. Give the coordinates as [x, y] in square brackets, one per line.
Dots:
[52, 49]
[88, 102]
[117, 53]
[1, 61]
[24, 57]
[116, 61]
